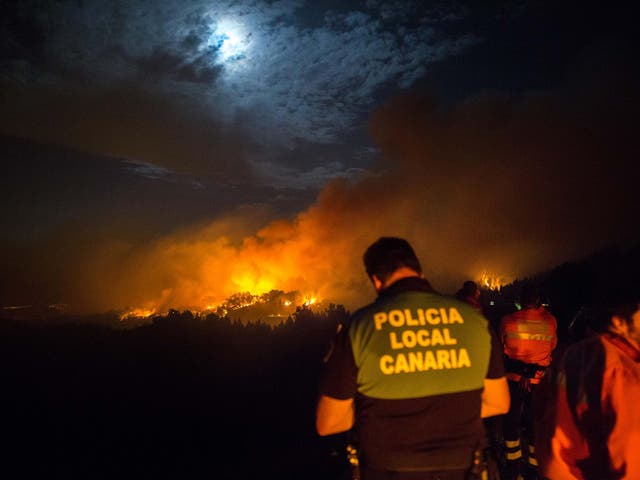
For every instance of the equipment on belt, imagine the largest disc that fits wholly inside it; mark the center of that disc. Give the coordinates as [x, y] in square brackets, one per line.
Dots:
[352, 457]
[484, 466]
[527, 370]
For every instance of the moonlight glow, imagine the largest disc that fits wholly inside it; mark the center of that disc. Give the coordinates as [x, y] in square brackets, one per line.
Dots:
[231, 40]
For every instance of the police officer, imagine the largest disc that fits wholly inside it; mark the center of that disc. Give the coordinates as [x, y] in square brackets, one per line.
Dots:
[413, 374]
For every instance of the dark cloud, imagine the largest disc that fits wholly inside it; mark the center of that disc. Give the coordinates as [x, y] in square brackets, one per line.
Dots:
[173, 65]
[124, 121]
[258, 62]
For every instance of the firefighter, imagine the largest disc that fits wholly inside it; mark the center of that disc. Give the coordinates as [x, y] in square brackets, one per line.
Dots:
[595, 434]
[529, 338]
[413, 374]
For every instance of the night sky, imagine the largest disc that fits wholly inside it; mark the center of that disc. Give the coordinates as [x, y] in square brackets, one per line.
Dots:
[167, 154]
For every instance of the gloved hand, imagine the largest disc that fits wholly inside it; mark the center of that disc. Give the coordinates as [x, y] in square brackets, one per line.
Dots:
[525, 384]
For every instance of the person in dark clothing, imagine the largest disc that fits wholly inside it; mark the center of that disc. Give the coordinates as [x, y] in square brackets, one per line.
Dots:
[470, 293]
[413, 374]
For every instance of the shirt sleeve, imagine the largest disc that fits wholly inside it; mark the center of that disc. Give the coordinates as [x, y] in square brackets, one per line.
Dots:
[496, 364]
[339, 375]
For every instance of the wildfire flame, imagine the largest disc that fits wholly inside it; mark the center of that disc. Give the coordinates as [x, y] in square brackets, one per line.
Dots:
[276, 302]
[138, 313]
[492, 281]
[309, 301]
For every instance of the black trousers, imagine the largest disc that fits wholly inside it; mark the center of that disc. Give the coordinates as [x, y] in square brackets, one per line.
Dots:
[371, 474]
[520, 414]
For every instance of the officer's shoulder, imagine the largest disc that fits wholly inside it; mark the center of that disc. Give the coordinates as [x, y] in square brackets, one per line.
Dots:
[361, 312]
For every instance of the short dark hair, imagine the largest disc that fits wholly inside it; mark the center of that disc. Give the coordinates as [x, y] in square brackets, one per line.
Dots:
[388, 254]
[469, 288]
[530, 295]
[621, 301]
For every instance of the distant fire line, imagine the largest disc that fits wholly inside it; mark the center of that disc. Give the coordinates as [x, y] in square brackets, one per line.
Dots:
[284, 303]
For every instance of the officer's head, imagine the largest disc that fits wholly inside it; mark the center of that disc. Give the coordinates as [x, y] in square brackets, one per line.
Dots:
[387, 256]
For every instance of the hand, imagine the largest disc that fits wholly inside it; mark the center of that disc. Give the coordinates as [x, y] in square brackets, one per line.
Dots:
[525, 384]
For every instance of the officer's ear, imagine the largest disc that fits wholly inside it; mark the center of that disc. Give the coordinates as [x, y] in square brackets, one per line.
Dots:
[377, 283]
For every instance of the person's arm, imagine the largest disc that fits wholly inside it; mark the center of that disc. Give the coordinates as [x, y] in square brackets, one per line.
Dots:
[333, 415]
[337, 388]
[495, 397]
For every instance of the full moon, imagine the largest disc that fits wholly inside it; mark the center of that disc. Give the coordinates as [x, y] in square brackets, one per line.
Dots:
[232, 39]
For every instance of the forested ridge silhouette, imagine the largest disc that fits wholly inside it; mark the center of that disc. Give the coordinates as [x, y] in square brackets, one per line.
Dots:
[195, 396]
[182, 397]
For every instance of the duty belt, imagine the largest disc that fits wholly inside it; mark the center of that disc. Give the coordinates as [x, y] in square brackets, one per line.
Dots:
[527, 370]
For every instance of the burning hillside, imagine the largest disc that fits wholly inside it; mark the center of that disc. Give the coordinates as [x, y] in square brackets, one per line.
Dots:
[272, 307]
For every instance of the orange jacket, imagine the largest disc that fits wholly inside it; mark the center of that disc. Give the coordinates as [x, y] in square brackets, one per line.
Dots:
[529, 335]
[597, 427]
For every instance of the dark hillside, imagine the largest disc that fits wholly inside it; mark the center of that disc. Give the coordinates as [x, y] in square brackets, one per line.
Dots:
[183, 397]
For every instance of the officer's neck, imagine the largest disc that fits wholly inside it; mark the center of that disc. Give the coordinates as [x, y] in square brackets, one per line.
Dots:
[399, 274]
